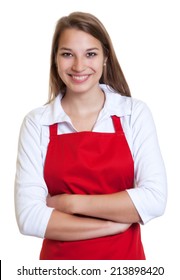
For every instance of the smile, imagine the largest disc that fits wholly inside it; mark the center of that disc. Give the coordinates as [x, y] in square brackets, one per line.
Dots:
[79, 78]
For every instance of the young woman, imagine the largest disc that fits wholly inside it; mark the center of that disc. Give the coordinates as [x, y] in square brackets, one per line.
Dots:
[89, 167]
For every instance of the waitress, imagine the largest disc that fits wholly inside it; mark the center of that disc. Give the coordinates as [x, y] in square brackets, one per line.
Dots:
[89, 167]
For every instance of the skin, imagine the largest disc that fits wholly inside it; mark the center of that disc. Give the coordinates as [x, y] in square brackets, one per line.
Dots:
[80, 61]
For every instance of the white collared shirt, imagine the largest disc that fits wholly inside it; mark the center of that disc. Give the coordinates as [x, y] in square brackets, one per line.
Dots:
[150, 193]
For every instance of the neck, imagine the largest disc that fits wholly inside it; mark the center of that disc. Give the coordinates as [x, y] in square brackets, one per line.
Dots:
[84, 103]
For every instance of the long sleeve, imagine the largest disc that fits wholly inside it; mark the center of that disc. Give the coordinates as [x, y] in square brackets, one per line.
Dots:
[150, 192]
[32, 214]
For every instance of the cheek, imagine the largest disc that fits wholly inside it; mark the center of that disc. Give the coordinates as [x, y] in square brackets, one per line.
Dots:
[98, 65]
[63, 64]
[62, 68]
[61, 72]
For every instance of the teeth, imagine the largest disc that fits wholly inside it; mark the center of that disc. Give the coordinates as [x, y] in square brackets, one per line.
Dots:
[79, 78]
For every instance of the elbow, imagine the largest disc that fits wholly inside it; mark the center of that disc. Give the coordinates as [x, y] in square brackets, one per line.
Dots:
[31, 211]
[25, 225]
[160, 200]
[32, 221]
[150, 201]
[158, 205]
[159, 210]
[23, 230]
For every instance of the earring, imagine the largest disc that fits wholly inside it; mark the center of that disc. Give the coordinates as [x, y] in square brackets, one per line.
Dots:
[105, 61]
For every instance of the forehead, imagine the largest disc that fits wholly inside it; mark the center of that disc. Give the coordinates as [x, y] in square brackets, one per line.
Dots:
[73, 38]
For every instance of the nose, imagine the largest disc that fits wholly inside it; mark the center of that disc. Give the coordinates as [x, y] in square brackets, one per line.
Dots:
[78, 64]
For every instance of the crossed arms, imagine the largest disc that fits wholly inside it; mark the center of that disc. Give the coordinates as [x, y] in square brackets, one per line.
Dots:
[78, 217]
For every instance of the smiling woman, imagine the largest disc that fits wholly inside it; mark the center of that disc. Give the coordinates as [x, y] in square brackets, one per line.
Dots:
[80, 60]
[92, 27]
[80, 68]
[89, 168]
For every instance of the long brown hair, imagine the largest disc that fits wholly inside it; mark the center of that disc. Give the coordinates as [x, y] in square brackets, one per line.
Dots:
[112, 75]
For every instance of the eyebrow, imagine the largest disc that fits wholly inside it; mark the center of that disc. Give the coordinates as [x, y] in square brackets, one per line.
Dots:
[68, 49]
[65, 49]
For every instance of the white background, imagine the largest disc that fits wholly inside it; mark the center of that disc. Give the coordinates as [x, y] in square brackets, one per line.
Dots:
[145, 34]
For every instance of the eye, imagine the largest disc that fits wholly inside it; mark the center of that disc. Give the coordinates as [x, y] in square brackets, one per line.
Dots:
[66, 54]
[91, 54]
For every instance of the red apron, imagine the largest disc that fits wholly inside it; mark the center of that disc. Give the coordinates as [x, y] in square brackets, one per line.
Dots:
[91, 163]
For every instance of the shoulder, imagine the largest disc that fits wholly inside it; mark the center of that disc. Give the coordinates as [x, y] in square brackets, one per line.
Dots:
[124, 105]
[139, 108]
[36, 115]
[45, 115]
[33, 121]
[31, 124]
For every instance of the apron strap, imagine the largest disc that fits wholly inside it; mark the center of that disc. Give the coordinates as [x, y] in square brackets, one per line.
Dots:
[53, 130]
[117, 124]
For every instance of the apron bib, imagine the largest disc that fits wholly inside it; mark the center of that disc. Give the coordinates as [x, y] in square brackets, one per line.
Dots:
[91, 163]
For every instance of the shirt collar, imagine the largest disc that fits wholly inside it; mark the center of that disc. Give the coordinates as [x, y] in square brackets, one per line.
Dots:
[115, 104]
